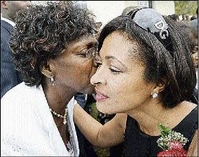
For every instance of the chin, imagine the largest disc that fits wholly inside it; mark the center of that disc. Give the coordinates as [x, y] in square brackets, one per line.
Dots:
[103, 108]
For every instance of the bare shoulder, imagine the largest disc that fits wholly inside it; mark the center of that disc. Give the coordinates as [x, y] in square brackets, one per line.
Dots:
[188, 106]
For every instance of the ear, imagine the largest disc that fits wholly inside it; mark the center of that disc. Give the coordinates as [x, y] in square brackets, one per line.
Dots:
[47, 69]
[160, 86]
[4, 4]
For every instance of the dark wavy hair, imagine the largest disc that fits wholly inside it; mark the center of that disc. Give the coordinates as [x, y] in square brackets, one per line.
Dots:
[173, 68]
[42, 32]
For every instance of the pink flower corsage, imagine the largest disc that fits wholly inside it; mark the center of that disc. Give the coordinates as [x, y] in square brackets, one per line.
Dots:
[171, 142]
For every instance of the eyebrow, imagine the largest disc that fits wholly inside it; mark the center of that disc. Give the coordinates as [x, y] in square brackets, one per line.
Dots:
[114, 58]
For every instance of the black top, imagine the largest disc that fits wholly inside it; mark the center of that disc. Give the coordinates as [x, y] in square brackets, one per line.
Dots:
[139, 144]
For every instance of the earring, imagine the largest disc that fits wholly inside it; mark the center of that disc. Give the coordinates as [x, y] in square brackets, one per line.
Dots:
[52, 80]
[154, 95]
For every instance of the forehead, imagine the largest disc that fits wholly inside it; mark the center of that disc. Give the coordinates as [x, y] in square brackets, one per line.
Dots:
[118, 43]
[82, 41]
[119, 46]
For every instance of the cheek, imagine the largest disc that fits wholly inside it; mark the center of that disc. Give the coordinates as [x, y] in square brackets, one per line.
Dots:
[85, 71]
[89, 69]
[130, 91]
[121, 93]
[121, 85]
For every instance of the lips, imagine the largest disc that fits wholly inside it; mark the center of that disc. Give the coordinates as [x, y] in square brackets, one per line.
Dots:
[99, 96]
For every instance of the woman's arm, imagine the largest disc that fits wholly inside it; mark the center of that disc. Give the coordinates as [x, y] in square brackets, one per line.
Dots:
[193, 149]
[106, 135]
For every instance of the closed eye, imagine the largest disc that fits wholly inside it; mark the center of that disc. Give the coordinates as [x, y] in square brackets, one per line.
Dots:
[114, 70]
[89, 53]
[97, 63]
[83, 52]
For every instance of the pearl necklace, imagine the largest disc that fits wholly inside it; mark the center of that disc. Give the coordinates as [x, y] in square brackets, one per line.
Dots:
[59, 115]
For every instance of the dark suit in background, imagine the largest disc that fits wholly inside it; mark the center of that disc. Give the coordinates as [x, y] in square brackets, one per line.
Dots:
[9, 76]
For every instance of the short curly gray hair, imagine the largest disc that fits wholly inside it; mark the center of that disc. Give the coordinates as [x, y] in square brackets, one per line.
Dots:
[42, 32]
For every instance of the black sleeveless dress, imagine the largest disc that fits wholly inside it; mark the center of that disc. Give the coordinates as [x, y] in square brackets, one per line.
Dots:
[139, 144]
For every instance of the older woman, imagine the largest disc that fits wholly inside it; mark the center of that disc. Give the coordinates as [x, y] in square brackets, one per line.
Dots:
[53, 49]
[146, 76]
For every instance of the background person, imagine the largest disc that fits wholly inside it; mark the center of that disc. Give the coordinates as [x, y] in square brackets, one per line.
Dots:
[175, 17]
[190, 32]
[9, 76]
[53, 48]
[146, 76]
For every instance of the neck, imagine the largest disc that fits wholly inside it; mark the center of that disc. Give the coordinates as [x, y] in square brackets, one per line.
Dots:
[149, 116]
[57, 98]
[5, 15]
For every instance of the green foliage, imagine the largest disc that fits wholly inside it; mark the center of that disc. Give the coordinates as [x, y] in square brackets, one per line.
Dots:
[185, 7]
[94, 112]
[165, 131]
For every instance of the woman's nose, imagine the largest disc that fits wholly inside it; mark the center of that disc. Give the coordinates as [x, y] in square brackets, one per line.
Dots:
[94, 80]
[97, 79]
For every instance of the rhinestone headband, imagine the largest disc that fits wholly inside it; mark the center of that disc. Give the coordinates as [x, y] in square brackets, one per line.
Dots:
[153, 22]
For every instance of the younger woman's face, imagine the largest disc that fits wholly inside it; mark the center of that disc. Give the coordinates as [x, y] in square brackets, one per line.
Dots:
[119, 79]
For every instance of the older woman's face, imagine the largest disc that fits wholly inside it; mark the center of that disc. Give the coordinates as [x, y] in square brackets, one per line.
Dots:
[119, 79]
[73, 68]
